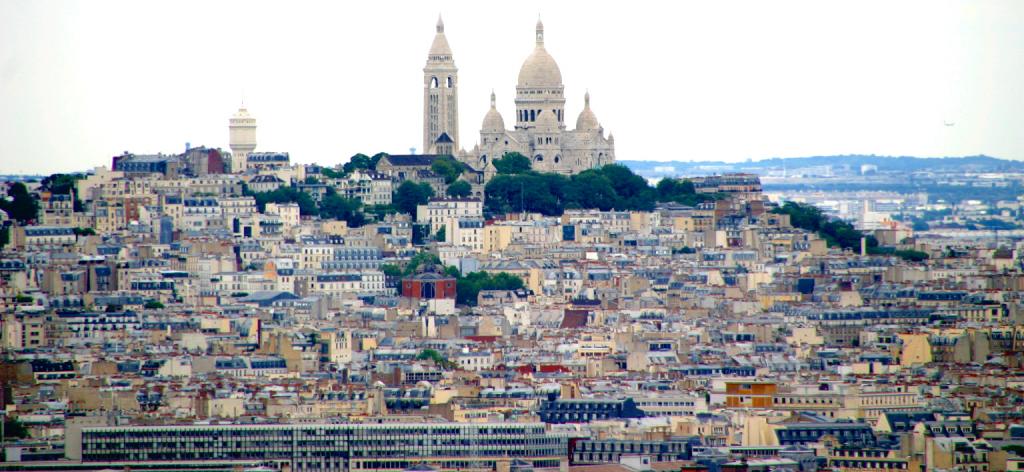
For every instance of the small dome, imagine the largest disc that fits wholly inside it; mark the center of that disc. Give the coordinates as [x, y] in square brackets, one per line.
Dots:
[493, 122]
[546, 121]
[540, 69]
[587, 121]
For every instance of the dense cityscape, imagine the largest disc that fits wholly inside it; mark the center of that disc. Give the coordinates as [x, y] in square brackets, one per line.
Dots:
[530, 303]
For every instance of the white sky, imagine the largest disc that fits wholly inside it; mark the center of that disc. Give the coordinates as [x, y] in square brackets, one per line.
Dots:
[729, 80]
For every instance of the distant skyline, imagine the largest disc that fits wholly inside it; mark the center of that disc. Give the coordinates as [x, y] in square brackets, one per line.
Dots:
[83, 81]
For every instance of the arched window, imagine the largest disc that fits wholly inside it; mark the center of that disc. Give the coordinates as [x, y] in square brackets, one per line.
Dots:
[434, 83]
[451, 82]
[533, 115]
[483, 158]
[558, 158]
[538, 158]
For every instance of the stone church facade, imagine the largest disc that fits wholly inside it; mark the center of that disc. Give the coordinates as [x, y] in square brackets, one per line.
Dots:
[539, 132]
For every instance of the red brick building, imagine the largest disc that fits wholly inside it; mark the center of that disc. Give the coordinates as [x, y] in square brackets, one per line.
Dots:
[429, 285]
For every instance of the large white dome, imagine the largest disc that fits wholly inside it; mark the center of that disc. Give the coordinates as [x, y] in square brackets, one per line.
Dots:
[540, 69]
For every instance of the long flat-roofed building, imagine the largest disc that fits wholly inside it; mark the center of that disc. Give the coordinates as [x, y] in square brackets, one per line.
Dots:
[327, 447]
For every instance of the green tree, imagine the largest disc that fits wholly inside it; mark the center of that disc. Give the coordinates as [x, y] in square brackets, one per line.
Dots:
[459, 189]
[421, 259]
[911, 255]
[410, 194]
[286, 195]
[14, 428]
[379, 211]
[5, 236]
[63, 184]
[333, 173]
[153, 305]
[591, 189]
[468, 288]
[430, 354]
[336, 207]
[836, 233]
[512, 163]
[391, 270]
[609, 187]
[531, 192]
[440, 236]
[681, 191]
[447, 167]
[85, 231]
[21, 206]
[358, 161]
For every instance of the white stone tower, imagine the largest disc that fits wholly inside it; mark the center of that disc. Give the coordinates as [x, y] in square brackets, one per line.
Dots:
[241, 138]
[440, 97]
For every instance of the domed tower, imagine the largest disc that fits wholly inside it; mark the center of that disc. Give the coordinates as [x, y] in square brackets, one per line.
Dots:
[587, 121]
[493, 124]
[440, 93]
[241, 137]
[540, 89]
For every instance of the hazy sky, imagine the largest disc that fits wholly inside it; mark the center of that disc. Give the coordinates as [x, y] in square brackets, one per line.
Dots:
[731, 80]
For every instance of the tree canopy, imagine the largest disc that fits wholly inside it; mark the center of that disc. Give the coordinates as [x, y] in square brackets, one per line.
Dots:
[459, 189]
[835, 232]
[286, 195]
[512, 163]
[611, 187]
[468, 288]
[63, 184]
[441, 361]
[447, 167]
[336, 207]
[840, 233]
[21, 205]
[362, 161]
[681, 191]
[410, 194]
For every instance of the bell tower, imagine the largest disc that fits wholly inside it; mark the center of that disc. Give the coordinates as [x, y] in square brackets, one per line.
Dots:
[440, 96]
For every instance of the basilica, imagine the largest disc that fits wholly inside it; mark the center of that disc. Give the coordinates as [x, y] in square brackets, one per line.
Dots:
[539, 133]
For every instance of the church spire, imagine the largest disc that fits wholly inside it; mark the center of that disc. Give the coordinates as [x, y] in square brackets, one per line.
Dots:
[440, 24]
[540, 31]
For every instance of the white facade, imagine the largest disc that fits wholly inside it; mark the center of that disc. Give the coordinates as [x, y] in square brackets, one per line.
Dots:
[438, 212]
[540, 132]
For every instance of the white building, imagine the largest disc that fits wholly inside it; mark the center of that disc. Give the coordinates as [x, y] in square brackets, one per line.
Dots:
[540, 131]
[241, 138]
[437, 212]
